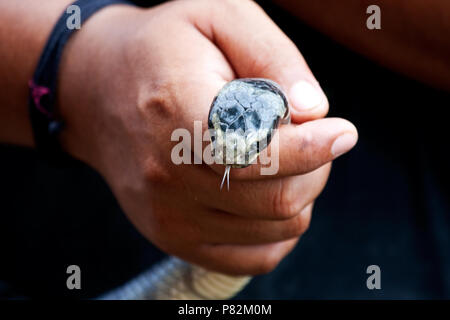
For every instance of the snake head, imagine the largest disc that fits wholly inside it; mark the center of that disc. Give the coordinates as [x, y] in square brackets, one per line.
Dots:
[243, 118]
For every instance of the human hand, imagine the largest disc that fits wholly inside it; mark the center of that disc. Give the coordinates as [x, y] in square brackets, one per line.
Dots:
[131, 76]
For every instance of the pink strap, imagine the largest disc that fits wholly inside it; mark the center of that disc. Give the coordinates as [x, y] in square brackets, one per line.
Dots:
[37, 92]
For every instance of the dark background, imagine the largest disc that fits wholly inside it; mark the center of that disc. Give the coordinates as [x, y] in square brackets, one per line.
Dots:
[386, 203]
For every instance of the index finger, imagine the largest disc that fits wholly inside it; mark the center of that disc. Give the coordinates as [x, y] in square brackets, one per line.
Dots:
[256, 47]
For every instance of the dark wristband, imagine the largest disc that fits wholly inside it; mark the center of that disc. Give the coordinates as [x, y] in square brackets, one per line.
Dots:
[43, 85]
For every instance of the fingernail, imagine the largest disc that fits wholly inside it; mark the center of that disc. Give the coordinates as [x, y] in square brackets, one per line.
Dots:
[343, 144]
[304, 96]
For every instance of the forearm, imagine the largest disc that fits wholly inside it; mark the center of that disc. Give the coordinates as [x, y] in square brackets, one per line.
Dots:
[24, 28]
[413, 38]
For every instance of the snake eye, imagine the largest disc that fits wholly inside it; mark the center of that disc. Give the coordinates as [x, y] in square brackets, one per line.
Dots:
[231, 112]
[239, 123]
[252, 120]
[223, 126]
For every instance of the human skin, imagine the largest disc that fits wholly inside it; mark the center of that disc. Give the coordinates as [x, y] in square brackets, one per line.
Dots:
[413, 39]
[131, 76]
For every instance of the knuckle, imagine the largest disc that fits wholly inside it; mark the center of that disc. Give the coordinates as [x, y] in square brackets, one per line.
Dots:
[286, 202]
[155, 174]
[306, 140]
[262, 62]
[307, 150]
[303, 221]
[156, 101]
[297, 226]
[267, 263]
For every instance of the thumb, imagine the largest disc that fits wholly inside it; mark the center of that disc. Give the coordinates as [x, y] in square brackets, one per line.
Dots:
[301, 149]
[256, 47]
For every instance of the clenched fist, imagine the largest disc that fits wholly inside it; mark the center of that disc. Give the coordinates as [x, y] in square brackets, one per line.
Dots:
[131, 76]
